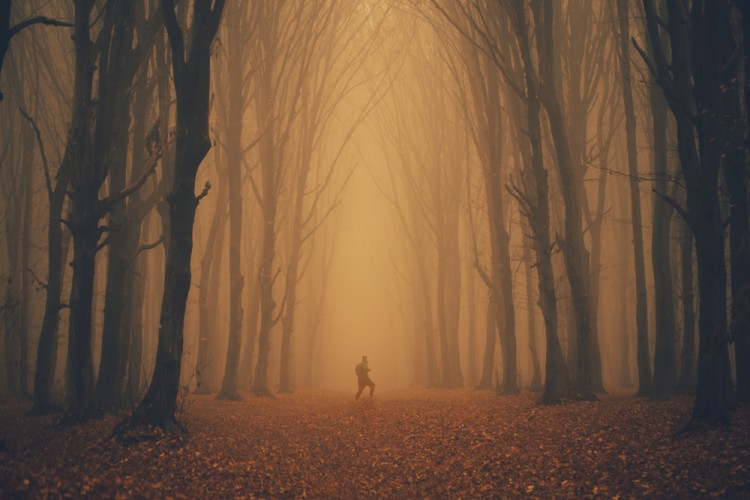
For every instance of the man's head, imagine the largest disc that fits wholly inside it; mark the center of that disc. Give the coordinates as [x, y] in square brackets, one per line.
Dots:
[364, 358]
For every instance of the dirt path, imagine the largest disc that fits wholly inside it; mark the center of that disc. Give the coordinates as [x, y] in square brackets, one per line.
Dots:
[403, 444]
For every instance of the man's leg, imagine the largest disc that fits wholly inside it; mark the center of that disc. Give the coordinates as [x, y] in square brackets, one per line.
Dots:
[372, 387]
[361, 388]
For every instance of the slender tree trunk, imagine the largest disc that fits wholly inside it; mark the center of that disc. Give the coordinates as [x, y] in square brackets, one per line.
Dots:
[235, 113]
[115, 152]
[209, 286]
[23, 312]
[11, 306]
[251, 338]
[84, 226]
[488, 363]
[453, 293]
[137, 212]
[471, 302]
[427, 323]
[535, 202]
[135, 286]
[686, 383]
[641, 302]
[287, 329]
[575, 255]
[47, 350]
[665, 364]
[536, 376]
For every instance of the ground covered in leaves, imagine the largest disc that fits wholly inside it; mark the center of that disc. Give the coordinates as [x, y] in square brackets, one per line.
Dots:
[403, 444]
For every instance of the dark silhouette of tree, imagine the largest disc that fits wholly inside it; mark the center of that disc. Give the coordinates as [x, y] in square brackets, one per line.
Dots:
[534, 201]
[692, 81]
[112, 148]
[191, 62]
[735, 170]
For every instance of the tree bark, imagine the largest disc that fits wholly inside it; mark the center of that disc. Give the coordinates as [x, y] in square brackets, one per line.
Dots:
[46, 352]
[575, 255]
[84, 225]
[686, 383]
[192, 86]
[737, 180]
[693, 93]
[641, 299]
[112, 148]
[536, 210]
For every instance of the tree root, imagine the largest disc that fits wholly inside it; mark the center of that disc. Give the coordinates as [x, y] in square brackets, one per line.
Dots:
[229, 396]
[140, 427]
[41, 410]
[697, 424]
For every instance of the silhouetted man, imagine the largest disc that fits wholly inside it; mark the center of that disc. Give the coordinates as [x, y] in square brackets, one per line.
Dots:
[363, 379]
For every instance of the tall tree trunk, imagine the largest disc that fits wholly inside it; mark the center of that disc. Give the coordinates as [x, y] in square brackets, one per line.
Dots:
[207, 294]
[641, 299]
[665, 356]
[575, 255]
[138, 208]
[135, 286]
[266, 273]
[251, 338]
[694, 95]
[427, 320]
[737, 180]
[471, 302]
[115, 151]
[535, 206]
[11, 306]
[192, 86]
[488, 361]
[234, 169]
[84, 225]
[686, 383]
[47, 350]
[536, 376]
[23, 330]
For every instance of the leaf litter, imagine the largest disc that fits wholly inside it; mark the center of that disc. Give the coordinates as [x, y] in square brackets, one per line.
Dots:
[404, 444]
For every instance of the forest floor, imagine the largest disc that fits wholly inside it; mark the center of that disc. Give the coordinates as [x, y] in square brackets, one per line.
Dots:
[403, 444]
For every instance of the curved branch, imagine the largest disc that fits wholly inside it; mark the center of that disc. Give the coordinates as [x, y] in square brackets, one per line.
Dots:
[37, 20]
[47, 178]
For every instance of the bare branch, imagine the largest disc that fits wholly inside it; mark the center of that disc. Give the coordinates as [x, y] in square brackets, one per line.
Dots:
[36, 278]
[101, 245]
[37, 20]
[47, 178]
[676, 205]
[206, 189]
[146, 247]
[148, 169]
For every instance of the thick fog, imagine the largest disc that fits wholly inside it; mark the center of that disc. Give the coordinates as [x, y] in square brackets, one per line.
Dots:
[394, 179]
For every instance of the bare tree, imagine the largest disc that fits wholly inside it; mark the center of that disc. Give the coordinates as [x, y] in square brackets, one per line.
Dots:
[700, 42]
[191, 62]
[641, 305]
